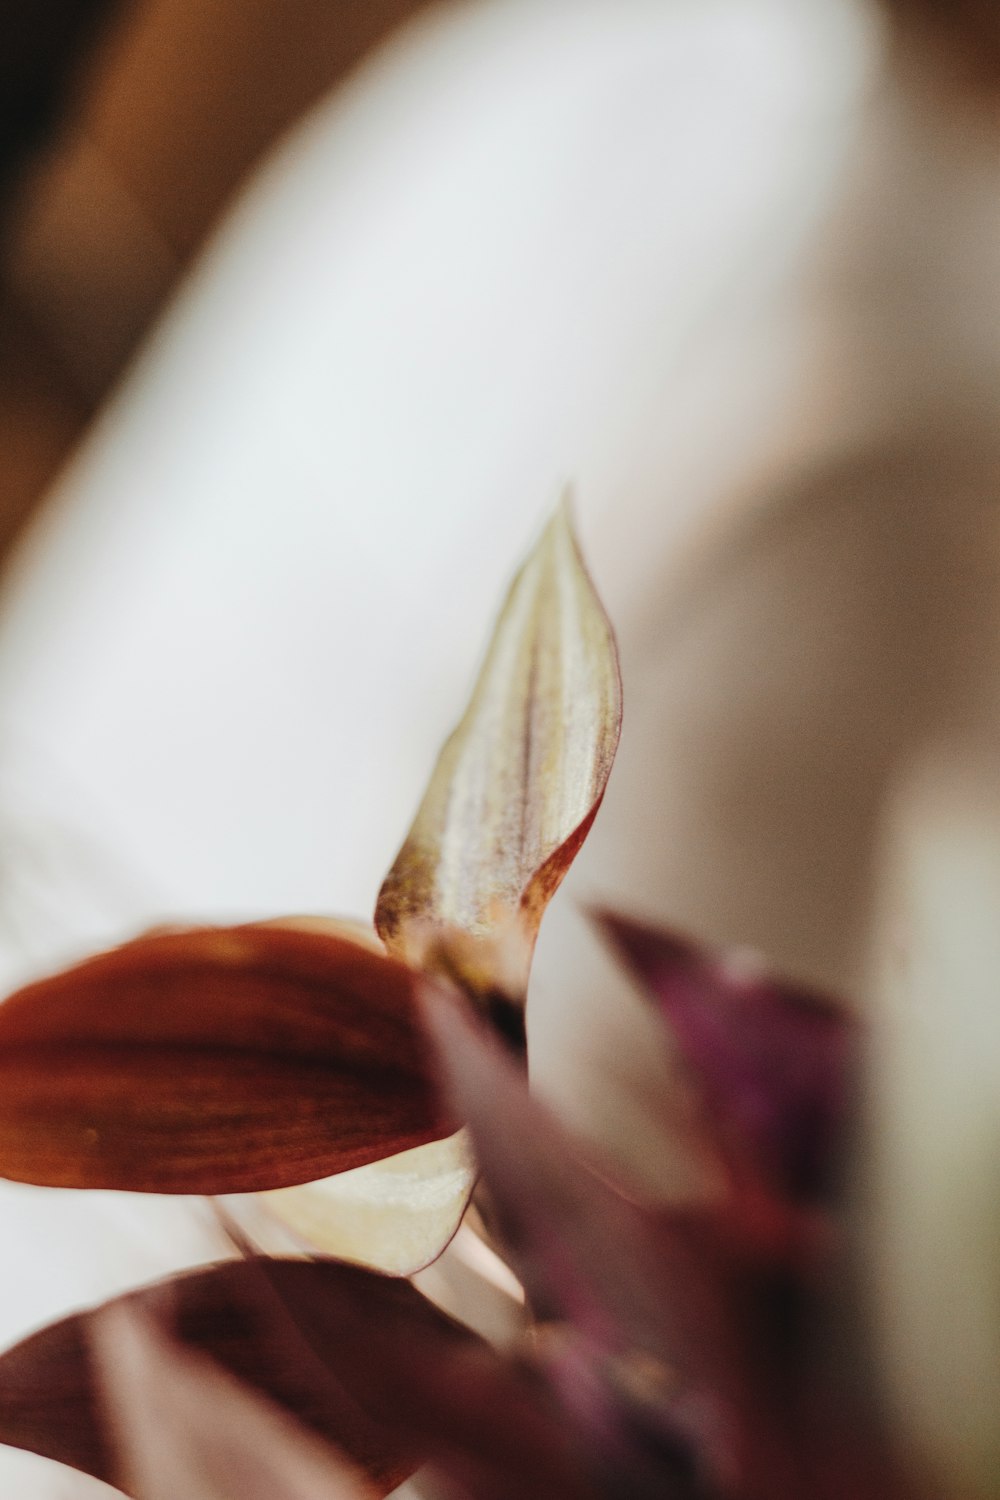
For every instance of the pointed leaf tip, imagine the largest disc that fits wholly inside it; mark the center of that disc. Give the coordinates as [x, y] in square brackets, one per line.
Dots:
[520, 780]
[773, 1060]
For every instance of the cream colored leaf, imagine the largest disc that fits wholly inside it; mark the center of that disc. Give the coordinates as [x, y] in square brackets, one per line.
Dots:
[517, 785]
[395, 1215]
[509, 804]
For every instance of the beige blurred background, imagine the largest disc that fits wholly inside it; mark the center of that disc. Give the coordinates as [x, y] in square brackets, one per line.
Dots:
[159, 111]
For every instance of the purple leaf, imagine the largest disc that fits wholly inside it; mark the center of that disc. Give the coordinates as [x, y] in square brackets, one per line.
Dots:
[688, 1368]
[773, 1061]
[634, 1289]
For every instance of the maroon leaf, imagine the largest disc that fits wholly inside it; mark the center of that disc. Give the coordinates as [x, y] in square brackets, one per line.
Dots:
[488, 1422]
[773, 1061]
[635, 1289]
[362, 1359]
[688, 1369]
[183, 1426]
[211, 1061]
[273, 1331]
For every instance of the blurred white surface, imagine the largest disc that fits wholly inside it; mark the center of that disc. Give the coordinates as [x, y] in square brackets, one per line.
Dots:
[503, 258]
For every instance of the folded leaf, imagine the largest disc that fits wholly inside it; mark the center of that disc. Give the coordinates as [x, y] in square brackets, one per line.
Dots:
[363, 1360]
[396, 1215]
[773, 1062]
[519, 782]
[183, 1426]
[272, 1325]
[213, 1061]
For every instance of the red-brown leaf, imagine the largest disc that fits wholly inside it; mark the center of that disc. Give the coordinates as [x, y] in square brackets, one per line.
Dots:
[211, 1061]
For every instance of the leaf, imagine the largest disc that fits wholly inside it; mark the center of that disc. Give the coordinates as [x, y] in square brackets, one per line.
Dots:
[509, 803]
[183, 1426]
[519, 782]
[213, 1061]
[396, 1215]
[583, 1252]
[363, 1360]
[685, 1371]
[774, 1062]
[272, 1331]
[472, 1411]
[630, 1291]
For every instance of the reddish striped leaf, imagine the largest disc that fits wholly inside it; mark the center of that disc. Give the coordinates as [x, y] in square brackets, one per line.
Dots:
[212, 1061]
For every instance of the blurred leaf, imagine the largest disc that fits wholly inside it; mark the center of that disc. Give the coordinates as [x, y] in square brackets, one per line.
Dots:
[184, 1427]
[622, 1281]
[773, 1061]
[520, 780]
[583, 1252]
[212, 1061]
[686, 1370]
[363, 1360]
[272, 1325]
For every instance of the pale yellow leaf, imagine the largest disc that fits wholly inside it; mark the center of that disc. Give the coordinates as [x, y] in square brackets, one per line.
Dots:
[395, 1215]
[509, 803]
[518, 783]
